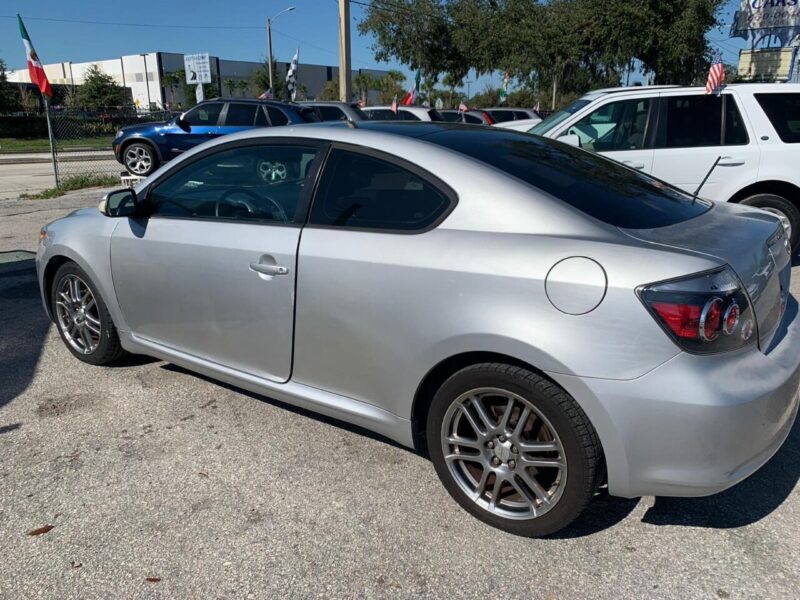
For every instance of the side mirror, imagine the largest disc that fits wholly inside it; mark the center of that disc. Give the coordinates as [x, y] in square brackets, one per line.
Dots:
[571, 139]
[119, 203]
[183, 124]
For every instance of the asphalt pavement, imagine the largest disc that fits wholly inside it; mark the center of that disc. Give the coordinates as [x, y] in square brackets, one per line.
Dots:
[144, 480]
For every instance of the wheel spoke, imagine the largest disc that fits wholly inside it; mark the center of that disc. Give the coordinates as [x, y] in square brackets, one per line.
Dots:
[523, 418]
[92, 327]
[472, 422]
[487, 421]
[507, 415]
[65, 296]
[540, 462]
[480, 488]
[74, 290]
[526, 496]
[498, 484]
[465, 457]
[537, 446]
[92, 319]
[534, 486]
[86, 339]
[465, 442]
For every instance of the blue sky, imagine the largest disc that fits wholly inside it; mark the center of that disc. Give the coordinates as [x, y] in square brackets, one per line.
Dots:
[312, 27]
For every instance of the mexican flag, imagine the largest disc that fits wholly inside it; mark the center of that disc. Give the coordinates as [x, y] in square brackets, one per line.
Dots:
[411, 95]
[35, 69]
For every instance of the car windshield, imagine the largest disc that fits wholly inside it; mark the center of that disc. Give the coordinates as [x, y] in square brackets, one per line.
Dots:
[590, 183]
[558, 117]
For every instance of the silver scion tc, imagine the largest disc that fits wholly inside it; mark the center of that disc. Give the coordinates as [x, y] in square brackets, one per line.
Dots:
[539, 319]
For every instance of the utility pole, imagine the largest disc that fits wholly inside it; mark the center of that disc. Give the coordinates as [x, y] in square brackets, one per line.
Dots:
[269, 44]
[345, 75]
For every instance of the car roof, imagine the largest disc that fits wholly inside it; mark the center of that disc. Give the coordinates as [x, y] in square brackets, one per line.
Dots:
[248, 101]
[399, 107]
[646, 89]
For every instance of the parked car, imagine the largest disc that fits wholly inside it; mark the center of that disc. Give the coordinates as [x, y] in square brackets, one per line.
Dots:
[540, 319]
[474, 117]
[142, 148]
[404, 113]
[335, 111]
[520, 125]
[678, 133]
[504, 114]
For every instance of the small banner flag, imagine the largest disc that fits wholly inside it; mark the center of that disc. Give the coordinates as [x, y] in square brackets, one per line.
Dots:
[394, 105]
[462, 106]
[291, 76]
[504, 89]
[35, 68]
[716, 75]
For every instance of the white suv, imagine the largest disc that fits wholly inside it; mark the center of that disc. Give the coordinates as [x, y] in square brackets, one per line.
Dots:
[677, 133]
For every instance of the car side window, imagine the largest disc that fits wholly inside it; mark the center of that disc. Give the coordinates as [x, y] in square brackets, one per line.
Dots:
[331, 113]
[407, 115]
[696, 122]
[204, 114]
[247, 183]
[381, 114]
[501, 116]
[365, 192]
[614, 126]
[261, 117]
[240, 115]
[783, 111]
[472, 119]
[276, 116]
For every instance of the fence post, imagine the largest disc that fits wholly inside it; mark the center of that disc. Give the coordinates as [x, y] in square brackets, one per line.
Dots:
[52, 139]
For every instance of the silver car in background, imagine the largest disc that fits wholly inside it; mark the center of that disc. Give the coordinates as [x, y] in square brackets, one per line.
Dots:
[541, 320]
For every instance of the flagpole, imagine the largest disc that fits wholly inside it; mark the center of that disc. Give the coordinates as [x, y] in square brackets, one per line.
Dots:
[51, 138]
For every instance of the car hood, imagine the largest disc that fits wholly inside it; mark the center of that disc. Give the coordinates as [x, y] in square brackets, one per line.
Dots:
[751, 241]
[142, 127]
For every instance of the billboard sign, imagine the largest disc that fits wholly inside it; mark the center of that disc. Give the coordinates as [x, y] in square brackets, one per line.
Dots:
[756, 15]
[198, 68]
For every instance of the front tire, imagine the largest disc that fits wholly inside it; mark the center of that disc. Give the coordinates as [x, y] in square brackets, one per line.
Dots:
[139, 159]
[513, 449]
[783, 209]
[82, 318]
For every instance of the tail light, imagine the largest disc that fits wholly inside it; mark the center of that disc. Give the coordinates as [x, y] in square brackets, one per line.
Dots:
[704, 313]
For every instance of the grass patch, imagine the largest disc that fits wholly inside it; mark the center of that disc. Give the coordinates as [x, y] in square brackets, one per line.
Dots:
[70, 184]
[14, 145]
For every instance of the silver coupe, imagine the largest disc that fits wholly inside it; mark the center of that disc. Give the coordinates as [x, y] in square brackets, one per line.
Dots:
[540, 320]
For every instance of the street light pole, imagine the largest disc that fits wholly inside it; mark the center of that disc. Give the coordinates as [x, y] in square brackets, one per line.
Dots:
[269, 43]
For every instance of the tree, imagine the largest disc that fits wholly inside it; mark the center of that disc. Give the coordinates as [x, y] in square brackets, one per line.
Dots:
[362, 84]
[99, 90]
[259, 79]
[390, 86]
[9, 101]
[330, 91]
[27, 99]
[171, 81]
[230, 85]
[242, 86]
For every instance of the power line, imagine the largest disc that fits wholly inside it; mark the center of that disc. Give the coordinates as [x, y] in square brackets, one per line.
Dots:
[119, 24]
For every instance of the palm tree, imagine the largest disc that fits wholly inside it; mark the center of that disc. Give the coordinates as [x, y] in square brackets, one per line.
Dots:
[242, 85]
[363, 83]
[230, 85]
[171, 81]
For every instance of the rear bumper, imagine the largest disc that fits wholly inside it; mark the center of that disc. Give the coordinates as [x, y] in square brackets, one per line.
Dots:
[696, 425]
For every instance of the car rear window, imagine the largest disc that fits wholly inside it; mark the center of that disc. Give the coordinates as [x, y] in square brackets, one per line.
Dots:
[596, 186]
[783, 111]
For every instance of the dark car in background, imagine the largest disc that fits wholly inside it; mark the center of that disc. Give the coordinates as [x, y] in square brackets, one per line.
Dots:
[142, 148]
[474, 117]
[325, 110]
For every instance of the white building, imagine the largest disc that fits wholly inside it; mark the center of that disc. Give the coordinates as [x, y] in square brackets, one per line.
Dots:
[150, 90]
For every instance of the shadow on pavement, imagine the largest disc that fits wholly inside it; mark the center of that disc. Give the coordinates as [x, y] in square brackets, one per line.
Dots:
[23, 322]
[748, 502]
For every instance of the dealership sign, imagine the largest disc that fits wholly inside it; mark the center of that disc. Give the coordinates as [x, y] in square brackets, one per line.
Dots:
[758, 15]
[198, 67]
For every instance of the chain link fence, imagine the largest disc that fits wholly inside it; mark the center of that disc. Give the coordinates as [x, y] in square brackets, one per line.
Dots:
[83, 141]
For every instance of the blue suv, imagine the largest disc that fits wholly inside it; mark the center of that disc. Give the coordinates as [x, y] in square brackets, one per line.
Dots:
[142, 148]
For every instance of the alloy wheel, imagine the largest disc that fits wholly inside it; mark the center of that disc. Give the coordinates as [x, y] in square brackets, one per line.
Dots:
[138, 160]
[78, 315]
[503, 453]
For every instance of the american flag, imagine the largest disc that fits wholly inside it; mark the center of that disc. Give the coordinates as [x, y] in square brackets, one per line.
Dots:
[716, 75]
[462, 107]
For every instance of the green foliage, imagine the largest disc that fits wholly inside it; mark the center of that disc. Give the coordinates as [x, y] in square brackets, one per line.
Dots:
[9, 100]
[70, 184]
[558, 48]
[259, 80]
[230, 85]
[389, 86]
[99, 90]
[242, 86]
[330, 91]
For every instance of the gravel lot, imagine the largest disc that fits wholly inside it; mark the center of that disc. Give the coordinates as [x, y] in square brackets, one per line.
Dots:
[158, 483]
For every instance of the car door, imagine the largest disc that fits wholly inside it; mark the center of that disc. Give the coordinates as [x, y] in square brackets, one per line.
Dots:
[619, 129]
[238, 116]
[211, 272]
[204, 122]
[694, 129]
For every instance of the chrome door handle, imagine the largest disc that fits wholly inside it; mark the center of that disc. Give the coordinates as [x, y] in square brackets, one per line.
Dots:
[731, 161]
[268, 269]
[633, 165]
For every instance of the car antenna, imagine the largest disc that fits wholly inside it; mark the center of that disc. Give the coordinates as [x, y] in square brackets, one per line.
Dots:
[702, 183]
[352, 124]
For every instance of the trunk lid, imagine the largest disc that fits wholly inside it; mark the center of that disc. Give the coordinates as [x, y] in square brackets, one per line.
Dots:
[752, 242]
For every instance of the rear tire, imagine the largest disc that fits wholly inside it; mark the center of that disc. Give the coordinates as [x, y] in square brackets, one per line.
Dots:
[532, 500]
[140, 159]
[82, 318]
[779, 206]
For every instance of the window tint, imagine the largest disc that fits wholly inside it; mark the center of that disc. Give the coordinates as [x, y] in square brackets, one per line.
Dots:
[205, 114]
[783, 111]
[331, 113]
[407, 115]
[501, 116]
[473, 119]
[361, 191]
[240, 115]
[521, 114]
[381, 114]
[558, 117]
[250, 183]
[276, 116]
[614, 126]
[696, 121]
[588, 182]
[434, 115]
[451, 116]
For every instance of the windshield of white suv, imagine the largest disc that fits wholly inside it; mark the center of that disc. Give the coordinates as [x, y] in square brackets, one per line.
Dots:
[558, 117]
